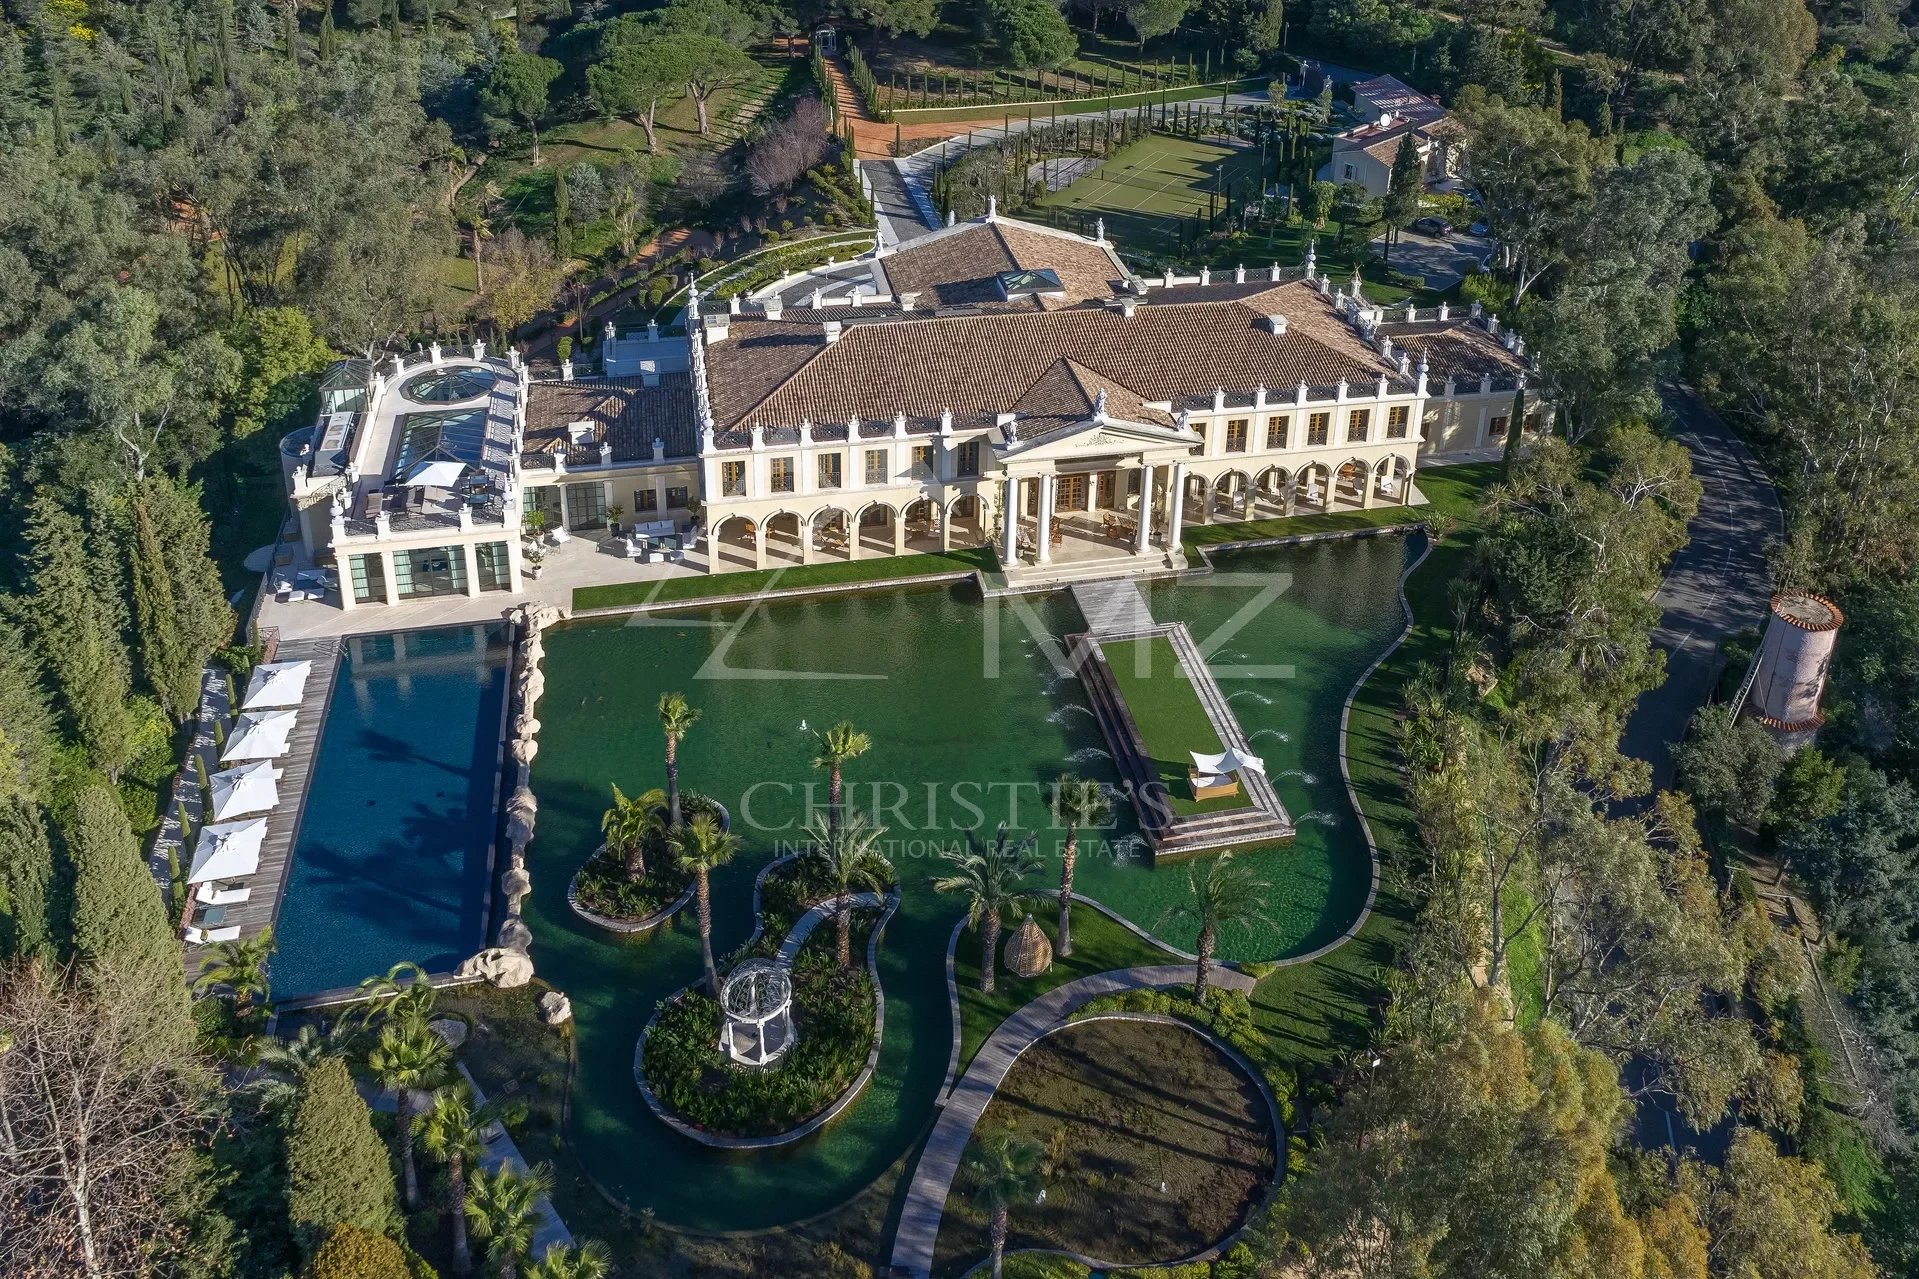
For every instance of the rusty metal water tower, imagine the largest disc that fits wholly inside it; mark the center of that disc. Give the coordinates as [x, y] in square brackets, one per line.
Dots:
[1789, 676]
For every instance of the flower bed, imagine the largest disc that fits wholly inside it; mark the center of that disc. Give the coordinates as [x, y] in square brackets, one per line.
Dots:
[834, 1014]
[602, 888]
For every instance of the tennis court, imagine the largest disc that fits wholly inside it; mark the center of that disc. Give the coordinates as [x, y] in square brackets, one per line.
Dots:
[1147, 188]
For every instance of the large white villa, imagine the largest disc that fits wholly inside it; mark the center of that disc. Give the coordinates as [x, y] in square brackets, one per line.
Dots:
[992, 383]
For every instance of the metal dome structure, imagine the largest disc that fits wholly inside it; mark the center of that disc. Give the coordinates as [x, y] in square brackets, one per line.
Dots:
[757, 1004]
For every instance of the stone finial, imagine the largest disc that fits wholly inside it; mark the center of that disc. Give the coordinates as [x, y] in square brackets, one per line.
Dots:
[1312, 258]
[819, 296]
[733, 305]
[1206, 275]
[566, 370]
[608, 334]
[950, 219]
[992, 208]
[1272, 275]
[1239, 274]
[1099, 405]
[1099, 231]
[1219, 398]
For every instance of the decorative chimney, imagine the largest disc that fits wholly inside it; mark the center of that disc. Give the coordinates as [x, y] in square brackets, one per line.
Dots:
[1276, 324]
[775, 307]
[1128, 304]
[833, 329]
[717, 325]
[659, 449]
[908, 301]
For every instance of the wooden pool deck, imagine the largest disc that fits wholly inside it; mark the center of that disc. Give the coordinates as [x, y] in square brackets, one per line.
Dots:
[268, 883]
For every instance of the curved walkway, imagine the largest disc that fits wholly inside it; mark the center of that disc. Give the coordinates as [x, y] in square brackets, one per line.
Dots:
[939, 1159]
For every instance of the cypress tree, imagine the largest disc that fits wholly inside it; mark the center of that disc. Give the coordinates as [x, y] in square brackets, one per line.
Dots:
[28, 911]
[164, 659]
[337, 1168]
[119, 926]
[57, 112]
[1556, 96]
[432, 7]
[326, 34]
[27, 732]
[126, 93]
[202, 617]
[223, 43]
[562, 216]
[78, 628]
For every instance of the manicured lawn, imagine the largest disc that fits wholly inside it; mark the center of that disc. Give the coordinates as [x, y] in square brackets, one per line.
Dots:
[1166, 711]
[1100, 945]
[1452, 491]
[674, 590]
[1316, 1012]
[1156, 1145]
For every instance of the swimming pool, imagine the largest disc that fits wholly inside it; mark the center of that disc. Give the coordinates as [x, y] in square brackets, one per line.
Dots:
[394, 850]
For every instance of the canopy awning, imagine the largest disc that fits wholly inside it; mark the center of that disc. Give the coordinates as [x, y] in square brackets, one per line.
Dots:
[278, 684]
[258, 735]
[227, 850]
[1227, 762]
[250, 788]
[438, 474]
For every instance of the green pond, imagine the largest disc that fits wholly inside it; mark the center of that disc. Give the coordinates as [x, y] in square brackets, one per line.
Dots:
[969, 717]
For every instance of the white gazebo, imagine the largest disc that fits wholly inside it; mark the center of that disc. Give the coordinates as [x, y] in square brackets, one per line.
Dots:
[277, 684]
[250, 788]
[258, 735]
[227, 850]
[758, 1002]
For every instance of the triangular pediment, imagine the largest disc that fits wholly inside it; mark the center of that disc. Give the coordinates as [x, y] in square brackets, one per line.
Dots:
[1095, 436]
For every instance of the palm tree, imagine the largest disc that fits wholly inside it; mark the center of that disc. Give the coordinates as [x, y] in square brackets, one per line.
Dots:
[837, 745]
[450, 1133]
[292, 1058]
[240, 966]
[585, 1259]
[675, 718]
[993, 877]
[630, 823]
[401, 994]
[1224, 893]
[851, 857]
[502, 1207]
[1006, 1170]
[1076, 803]
[408, 1056]
[702, 846]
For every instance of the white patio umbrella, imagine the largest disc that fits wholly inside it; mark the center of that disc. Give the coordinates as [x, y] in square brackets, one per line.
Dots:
[437, 475]
[227, 850]
[258, 735]
[250, 788]
[278, 684]
[1227, 762]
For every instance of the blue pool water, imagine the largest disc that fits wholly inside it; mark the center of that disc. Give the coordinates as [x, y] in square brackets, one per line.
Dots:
[392, 856]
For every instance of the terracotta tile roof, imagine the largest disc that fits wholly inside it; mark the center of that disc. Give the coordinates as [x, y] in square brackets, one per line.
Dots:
[961, 266]
[1390, 93]
[1454, 349]
[623, 412]
[781, 372]
[1065, 396]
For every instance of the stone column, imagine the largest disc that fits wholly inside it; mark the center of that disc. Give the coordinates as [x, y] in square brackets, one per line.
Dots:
[1175, 505]
[1406, 484]
[1043, 531]
[807, 533]
[938, 510]
[472, 558]
[389, 585]
[1009, 523]
[759, 545]
[1368, 486]
[899, 532]
[1142, 536]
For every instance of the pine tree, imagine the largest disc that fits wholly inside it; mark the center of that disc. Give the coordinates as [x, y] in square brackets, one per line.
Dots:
[223, 43]
[337, 1168]
[28, 910]
[57, 112]
[325, 53]
[78, 628]
[118, 922]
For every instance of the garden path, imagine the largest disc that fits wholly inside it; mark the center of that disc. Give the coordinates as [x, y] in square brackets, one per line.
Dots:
[939, 1160]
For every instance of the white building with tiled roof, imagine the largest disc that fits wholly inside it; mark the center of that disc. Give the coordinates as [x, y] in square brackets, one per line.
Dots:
[993, 384]
[1391, 111]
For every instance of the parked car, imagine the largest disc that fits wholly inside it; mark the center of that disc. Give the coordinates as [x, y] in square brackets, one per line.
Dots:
[1438, 227]
[1478, 228]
